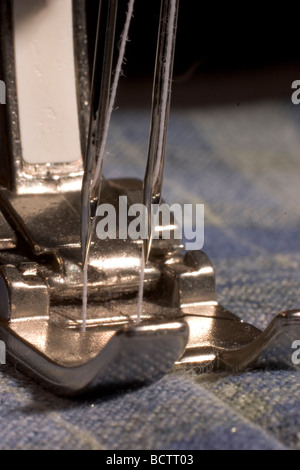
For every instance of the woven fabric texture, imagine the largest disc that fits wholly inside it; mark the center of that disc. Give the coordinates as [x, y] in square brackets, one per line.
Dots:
[243, 163]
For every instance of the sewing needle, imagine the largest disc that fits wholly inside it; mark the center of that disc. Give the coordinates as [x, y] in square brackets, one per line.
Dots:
[160, 111]
[100, 97]
[159, 122]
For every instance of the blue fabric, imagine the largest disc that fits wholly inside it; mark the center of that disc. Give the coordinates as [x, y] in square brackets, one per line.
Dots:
[243, 163]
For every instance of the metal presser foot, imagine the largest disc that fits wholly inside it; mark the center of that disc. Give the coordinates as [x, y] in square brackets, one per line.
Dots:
[183, 325]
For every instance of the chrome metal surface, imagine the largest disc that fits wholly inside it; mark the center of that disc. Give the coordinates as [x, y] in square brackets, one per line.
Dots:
[70, 362]
[49, 229]
[101, 85]
[273, 348]
[7, 236]
[41, 286]
[161, 101]
[182, 323]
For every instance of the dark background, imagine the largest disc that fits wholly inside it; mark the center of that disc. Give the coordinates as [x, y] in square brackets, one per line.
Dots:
[224, 53]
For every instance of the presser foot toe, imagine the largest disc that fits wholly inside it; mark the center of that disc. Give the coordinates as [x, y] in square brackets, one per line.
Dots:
[227, 344]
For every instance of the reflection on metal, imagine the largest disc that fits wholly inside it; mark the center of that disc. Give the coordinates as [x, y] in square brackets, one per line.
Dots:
[161, 102]
[182, 323]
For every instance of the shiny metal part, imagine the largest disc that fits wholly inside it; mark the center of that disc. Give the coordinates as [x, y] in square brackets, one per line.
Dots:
[182, 324]
[101, 85]
[7, 236]
[161, 101]
[272, 348]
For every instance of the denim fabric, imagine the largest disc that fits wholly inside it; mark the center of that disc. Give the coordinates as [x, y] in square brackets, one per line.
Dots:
[243, 163]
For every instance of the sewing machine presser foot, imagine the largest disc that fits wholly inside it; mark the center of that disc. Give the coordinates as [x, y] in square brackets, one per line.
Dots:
[182, 326]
